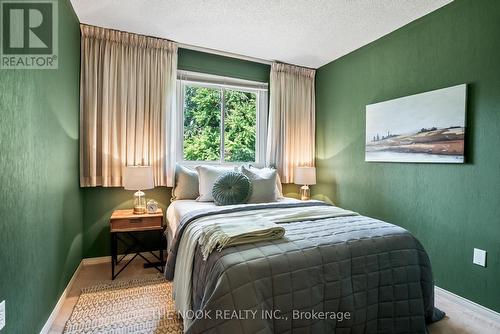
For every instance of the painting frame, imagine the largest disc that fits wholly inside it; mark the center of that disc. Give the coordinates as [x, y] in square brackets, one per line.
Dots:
[428, 127]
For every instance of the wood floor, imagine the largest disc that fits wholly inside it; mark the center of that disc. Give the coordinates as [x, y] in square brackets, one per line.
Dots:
[459, 320]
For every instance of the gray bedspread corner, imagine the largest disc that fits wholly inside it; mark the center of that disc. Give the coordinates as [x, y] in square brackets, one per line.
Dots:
[377, 273]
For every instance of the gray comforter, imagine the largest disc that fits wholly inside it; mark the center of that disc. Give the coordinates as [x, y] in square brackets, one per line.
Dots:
[339, 275]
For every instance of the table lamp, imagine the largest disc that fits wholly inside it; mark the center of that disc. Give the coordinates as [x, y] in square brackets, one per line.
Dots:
[138, 178]
[305, 176]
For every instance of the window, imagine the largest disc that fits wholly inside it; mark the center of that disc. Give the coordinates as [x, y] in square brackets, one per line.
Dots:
[224, 120]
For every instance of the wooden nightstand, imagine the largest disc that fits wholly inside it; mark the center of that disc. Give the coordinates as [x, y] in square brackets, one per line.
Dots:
[126, 222]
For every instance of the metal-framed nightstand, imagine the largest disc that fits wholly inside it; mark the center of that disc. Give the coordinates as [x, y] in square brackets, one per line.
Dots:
[126, 222]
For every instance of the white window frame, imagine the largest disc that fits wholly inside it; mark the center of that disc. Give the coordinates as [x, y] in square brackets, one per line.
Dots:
[187, 78]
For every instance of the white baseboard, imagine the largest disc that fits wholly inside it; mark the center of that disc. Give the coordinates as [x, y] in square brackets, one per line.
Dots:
[478, 310]
[60, 302]
[96, 260]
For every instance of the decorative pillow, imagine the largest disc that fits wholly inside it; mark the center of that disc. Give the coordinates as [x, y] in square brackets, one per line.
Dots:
[263, 186]
[231, 188]
[186, 183]
[264, 172]
[207, 176]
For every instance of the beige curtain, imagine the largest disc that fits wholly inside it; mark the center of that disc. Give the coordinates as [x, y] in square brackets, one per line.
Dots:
[291, 130]
[127, 111]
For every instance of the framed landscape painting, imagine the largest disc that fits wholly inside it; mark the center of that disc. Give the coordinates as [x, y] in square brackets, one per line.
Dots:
[427, 127]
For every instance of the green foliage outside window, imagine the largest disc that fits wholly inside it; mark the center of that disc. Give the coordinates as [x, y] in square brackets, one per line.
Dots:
[202, 124]
[239, 126]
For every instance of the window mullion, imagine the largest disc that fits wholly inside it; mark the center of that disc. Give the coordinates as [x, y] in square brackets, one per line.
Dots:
[180, 120]
[222, 118]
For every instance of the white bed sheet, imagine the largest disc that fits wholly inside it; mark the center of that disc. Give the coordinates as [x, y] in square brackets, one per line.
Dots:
[177, 209]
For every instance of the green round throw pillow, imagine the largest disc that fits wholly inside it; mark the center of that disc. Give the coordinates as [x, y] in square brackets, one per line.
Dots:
[231, 188]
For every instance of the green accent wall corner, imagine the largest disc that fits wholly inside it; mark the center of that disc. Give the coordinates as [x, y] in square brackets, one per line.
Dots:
[450, 208]
[40, 201]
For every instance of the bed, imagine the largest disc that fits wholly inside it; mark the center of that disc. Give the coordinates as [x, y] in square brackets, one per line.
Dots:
[338, 274]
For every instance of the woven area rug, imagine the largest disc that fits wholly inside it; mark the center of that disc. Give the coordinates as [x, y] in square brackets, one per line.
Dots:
[139, 306]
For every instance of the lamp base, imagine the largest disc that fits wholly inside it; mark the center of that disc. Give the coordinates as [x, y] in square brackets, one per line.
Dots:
[139, 210]
[139, 203]
[305, 193]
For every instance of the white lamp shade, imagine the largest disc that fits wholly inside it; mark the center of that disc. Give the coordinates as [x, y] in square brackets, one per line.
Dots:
[138, 177]
[305, 175]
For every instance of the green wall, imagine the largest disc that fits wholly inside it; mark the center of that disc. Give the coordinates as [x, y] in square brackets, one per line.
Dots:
[40, 201]
[99, 203]
[190, 60]
[450, 208]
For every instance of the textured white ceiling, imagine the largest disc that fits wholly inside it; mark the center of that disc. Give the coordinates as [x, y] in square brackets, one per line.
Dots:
[308, 33]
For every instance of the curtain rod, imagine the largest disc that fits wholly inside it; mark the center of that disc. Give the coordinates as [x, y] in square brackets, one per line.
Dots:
[198, 48]
[224, 53]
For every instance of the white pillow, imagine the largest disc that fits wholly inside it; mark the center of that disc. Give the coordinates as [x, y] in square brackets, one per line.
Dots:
[207, 176]
[263, 186]
[186, 183]
[266, 171]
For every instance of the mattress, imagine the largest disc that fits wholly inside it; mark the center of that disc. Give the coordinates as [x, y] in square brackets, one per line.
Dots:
[180, 208]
